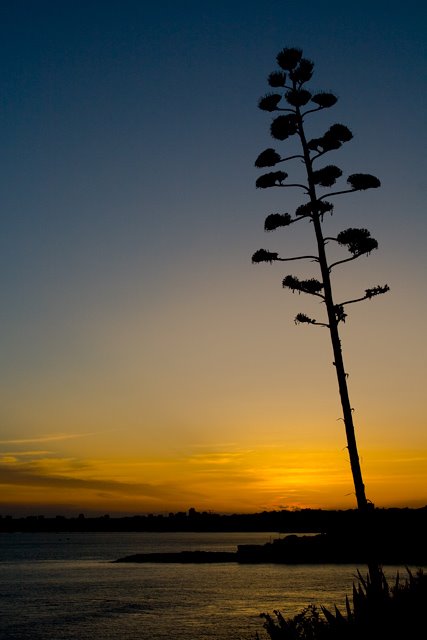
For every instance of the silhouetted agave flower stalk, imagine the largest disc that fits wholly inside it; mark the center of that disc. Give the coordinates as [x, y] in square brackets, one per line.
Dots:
[311, 285]
[302, 318]
[288, 58]
[327, 176]
[272, 179]
[275, 220]
[340, 132]
[264, 256]
[277, 79]
[269, 102]
[320, 206]
[303, 72]
[297, 97]
[362, 181]
[295, 72]
[324, 99]
[283, 127]
[376, 291]
[331, 140]
[357, 241]
[267, 158]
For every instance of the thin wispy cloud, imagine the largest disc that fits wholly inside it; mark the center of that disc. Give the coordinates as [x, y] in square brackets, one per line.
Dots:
[29, 475]
[55, 437]
[22, 454]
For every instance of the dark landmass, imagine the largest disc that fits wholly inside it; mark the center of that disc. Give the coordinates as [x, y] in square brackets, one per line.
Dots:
[183, 557]
[346, 548]
[302, 521]
[394, 536]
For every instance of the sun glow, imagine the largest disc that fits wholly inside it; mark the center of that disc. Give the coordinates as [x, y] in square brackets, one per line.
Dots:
[223, 479]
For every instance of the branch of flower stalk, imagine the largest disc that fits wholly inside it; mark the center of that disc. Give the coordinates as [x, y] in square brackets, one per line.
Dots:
[262, 255]
[370, 293]
[290, 158]
[313, 110]
[302, 186]
[312, 258]
[268, 226]
[321, 153]
[334, 264]
[302, 318]
[303, 218]
[337, 193]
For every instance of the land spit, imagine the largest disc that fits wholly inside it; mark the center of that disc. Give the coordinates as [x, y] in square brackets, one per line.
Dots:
[314, 549]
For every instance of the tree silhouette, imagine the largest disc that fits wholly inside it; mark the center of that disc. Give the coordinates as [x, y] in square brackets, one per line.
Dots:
[295, 103]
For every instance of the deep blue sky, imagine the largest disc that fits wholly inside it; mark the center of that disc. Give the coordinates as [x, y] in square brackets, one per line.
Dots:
[129, 215]
[131, 127]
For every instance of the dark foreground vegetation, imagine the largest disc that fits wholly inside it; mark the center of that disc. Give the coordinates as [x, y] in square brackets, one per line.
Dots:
[377, 610]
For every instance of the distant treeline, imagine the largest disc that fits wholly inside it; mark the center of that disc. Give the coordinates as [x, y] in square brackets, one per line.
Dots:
[303, 521]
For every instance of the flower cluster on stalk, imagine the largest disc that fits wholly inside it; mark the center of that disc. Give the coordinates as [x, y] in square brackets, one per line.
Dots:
[295, 102]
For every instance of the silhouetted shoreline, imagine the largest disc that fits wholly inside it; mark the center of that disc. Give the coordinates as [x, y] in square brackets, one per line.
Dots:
[395, 536]
[344, 548]
[395, 520]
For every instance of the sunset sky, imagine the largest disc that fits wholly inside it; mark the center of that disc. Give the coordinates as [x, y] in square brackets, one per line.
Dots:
[146, 365]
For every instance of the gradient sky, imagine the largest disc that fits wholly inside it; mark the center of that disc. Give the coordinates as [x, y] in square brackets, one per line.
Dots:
[146, 365]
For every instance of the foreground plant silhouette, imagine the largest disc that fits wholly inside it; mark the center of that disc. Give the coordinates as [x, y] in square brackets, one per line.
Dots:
[295, 103]
[377, 610]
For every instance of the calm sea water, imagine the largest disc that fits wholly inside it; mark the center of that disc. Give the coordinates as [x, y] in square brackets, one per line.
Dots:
[64, 587]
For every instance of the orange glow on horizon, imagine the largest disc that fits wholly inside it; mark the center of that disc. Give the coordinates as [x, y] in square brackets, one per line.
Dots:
[228, 480]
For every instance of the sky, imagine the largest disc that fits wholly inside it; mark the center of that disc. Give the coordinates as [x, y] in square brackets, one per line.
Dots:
[146, 365]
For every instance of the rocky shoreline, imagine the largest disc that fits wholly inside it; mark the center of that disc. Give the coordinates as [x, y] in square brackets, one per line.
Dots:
[293, 549]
